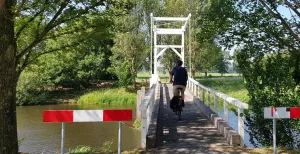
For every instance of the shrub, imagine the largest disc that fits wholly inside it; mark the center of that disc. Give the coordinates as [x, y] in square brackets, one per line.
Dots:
[137, 124]
[30, 89]
[81, 149]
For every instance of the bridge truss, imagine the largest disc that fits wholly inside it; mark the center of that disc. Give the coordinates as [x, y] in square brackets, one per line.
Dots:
[160, 49]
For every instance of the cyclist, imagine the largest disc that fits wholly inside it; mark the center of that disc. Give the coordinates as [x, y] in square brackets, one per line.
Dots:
[180, 79]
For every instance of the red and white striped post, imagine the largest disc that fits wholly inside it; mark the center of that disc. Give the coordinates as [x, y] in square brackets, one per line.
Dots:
[87, 116]
[280, 113]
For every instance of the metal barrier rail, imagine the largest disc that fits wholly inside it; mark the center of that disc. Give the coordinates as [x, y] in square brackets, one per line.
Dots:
[146, 108]
[196, 88]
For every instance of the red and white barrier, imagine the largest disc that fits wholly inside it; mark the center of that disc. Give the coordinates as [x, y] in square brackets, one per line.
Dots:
[282, 112]
[86, 115]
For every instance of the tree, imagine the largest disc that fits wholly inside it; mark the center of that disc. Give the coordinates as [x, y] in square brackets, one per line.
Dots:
[171, 8]
[72, 69]
[269, 61]
[26, 26]
[194, 7]
[290, 25]
[79, 65]
[222, 65]
[209, 19]
[145, 8]
[129, 50]
[8, 79]
[206, 57]
[269, 83]
[235, 63]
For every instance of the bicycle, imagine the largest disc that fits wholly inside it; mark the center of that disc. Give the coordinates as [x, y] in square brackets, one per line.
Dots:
[178, 108]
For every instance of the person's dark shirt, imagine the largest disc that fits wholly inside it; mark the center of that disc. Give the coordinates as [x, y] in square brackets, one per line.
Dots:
[180, 75]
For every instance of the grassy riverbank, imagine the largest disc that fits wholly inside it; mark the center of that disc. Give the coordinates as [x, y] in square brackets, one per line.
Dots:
[102, 93]
[108, 96]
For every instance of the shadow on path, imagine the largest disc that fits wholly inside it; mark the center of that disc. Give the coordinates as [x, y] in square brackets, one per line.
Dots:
[194, 133]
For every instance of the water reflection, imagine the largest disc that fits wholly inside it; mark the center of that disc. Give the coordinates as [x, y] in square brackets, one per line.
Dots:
[233, 122]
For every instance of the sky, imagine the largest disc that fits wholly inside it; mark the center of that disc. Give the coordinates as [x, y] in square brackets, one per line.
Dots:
[285, 12]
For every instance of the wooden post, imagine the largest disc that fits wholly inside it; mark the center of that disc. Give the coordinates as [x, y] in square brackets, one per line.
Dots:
[208, 98]
[144, 128]
[241, 125]
[195, 94]
[198, 91]
[203, 95]
[225, 111]
[138, 102]
[215, 101]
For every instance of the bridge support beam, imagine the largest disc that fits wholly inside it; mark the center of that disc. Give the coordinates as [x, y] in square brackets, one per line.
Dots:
[167, 31]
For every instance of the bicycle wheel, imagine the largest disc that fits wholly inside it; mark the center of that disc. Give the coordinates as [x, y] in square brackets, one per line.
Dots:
[180, 108]
[179, 114]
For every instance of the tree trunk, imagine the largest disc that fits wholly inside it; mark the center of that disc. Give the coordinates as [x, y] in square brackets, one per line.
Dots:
[205, 73]
[133, 72]
[134, 82]
[8, 80]
[193, 75]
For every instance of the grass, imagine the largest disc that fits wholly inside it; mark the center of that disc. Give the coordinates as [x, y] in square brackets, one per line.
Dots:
[108, 96]
[232, 86]
[106, 148]
[145, 77]
[216, 75]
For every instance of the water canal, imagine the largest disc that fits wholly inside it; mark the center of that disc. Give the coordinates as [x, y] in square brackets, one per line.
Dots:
[39, 137]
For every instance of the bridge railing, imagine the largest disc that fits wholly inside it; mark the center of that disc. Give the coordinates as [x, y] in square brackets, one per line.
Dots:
[200, 91]
[147, 109]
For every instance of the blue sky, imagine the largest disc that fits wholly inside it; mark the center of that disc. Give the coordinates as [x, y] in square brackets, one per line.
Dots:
[284, 11]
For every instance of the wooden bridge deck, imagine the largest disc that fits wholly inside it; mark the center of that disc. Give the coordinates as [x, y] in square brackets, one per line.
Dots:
[194, 133]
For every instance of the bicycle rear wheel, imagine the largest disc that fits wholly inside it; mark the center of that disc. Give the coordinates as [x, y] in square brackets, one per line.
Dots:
[179, 114]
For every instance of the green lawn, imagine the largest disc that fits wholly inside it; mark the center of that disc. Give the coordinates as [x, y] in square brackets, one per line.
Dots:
[232, 86]
[144, 77]
[198, 75]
